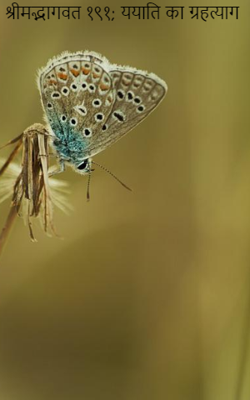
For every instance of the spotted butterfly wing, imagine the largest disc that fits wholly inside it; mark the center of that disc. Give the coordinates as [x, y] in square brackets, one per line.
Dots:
[77, 95]
[137, 95]
[90, 103]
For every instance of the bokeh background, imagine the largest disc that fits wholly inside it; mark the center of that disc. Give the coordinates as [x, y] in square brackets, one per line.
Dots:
[147, 297]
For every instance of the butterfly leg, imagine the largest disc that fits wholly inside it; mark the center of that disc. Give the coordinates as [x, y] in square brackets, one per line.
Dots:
[58, 170]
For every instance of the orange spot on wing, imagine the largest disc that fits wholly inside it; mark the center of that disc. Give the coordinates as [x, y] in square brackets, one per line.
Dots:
[95, 75]
[104, 87]
[85, 71]
[52, 82]
[109, 99]
[75, 72]
[62, 76]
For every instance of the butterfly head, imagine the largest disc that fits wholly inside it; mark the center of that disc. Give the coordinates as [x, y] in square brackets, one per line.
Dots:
[70, 151]
[84, 167]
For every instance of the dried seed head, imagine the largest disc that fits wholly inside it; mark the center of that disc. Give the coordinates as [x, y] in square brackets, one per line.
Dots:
[33, 192]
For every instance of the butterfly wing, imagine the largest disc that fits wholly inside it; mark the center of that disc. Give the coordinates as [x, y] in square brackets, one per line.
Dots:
[137, 95]
[90, 103]
[77, 95]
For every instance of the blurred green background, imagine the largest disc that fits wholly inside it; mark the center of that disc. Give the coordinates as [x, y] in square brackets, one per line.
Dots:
[147, 296]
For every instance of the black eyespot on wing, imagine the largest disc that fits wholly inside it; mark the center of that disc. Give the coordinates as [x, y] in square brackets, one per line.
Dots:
[120, 116]
[83, 110]
[120, 94]
[87, 132]
[141, 108]
[55, 95]
[130, 95]
[137, 100]
[73, 121]
[97, 102]
[99, 117]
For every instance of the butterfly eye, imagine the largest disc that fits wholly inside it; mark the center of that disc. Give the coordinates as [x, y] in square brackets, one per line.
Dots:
[83, 165]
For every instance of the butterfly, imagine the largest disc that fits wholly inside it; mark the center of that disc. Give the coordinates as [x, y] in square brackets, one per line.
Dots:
[90, 103]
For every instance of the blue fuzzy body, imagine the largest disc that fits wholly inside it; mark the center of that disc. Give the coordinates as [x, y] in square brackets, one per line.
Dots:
[69, 145]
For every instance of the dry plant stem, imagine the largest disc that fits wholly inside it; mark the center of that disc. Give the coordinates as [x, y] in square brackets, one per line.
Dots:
[7, 227]
[16, 139]
[34, 177]
[244, 353]
[12, 155]
[31, 190]
[13, 211]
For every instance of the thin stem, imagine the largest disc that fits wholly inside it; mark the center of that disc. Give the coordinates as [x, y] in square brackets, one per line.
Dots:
[10, 158]
[244, 353]
[16, 139]
[7, 227]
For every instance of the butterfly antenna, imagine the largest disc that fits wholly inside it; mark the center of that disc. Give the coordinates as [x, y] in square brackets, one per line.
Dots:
[110, 173]
[88, 186]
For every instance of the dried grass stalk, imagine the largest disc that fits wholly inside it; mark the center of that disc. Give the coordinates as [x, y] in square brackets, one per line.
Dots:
[31, 192]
